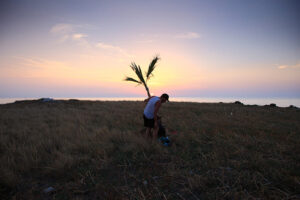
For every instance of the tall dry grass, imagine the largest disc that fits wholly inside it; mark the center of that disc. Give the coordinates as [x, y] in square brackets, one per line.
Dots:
[89, 150]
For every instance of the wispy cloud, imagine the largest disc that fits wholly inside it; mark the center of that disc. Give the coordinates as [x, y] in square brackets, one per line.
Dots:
[108, 46]
[38, 63]
[62, 31]
[188, 35]
[61, 28]
[113, 48]
[282, 67]
[68, 32]
[78, 36]
[145, 41]
[296, 66]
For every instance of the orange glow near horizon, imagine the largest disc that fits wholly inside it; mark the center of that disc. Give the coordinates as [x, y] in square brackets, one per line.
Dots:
[96, 70]
[171, 74]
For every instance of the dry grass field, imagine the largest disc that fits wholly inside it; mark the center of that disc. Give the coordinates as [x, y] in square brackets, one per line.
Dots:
[95, 150]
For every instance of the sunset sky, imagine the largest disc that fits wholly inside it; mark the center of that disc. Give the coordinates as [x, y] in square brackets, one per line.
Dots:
[83, 48]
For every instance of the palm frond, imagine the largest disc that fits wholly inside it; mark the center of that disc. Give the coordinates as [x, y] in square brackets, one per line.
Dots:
[132, 79]
[138, 72]
[141, 75]
[152, 67]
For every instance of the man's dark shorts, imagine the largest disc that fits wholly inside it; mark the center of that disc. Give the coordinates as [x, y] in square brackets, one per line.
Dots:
[149, 123]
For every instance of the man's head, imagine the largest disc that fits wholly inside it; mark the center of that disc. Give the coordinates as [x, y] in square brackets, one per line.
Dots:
[164, 97]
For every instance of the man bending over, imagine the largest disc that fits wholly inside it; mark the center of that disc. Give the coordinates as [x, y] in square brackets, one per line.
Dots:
[150, 113]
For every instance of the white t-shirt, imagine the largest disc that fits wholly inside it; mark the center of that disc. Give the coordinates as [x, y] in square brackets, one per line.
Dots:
[150, 107]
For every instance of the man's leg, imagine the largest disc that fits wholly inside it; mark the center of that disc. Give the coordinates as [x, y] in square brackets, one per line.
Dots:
[155, 132]
[148, 132]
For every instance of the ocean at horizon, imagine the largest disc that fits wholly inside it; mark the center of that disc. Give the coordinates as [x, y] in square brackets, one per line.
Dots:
[281, 102]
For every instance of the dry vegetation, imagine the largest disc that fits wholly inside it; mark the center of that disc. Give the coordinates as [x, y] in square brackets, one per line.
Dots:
[89, 150]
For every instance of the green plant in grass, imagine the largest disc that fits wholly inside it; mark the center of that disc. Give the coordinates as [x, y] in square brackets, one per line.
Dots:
[138, 71]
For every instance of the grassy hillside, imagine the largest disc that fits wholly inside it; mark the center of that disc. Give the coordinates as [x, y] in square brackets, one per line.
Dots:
[89, 150]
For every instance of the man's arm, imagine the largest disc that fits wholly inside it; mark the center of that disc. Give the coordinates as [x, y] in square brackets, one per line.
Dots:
[157, 106]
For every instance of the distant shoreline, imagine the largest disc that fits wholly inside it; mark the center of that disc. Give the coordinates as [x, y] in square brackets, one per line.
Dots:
[279, 102]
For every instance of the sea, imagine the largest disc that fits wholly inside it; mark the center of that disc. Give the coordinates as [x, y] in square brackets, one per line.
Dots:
[281, 102]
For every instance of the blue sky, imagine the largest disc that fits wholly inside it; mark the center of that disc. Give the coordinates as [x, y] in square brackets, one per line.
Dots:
[207, 48]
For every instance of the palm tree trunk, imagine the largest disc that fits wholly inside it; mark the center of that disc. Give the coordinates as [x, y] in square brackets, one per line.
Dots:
[147, 89]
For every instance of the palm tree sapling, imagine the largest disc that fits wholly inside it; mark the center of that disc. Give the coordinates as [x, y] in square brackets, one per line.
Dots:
[138, 72]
